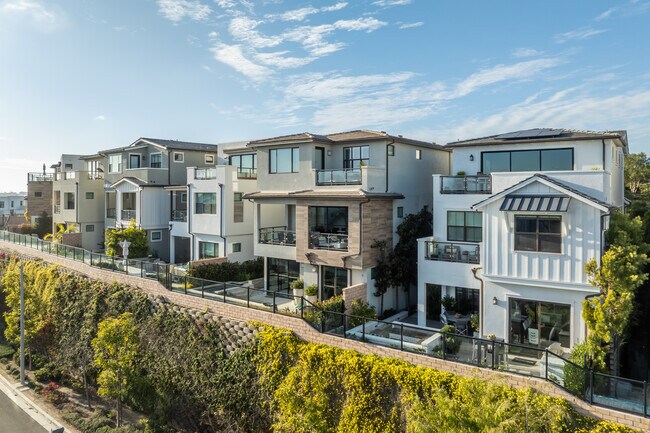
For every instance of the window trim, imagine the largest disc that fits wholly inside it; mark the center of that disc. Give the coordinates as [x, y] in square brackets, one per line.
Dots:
[537, 234]
[196, 203]
[572, 149]
[400, 211]
[87, 228]
[418, 154]
[292, 161]
[119, 163]
[348, 163]
[38, 194]
[151, 155]
[238, 245]
[139, 155]
[464, 226]
[200, 250]
[91, 194]
[178, 161]
[209, 158]
[151, 236]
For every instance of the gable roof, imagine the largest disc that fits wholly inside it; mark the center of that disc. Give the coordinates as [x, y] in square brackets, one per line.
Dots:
[166, 144]
[553, 183]
[542, 135]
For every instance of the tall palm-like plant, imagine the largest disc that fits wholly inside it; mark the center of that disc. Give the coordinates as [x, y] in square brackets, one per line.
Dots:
[61, 229]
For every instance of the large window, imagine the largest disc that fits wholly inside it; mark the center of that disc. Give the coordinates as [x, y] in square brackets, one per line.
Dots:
[538, 233]
[238, 208]
[206, 202]
[464, 226]
[246, 164]
[467, 300]
[355, 156]
[134, 160]
[325, 219]
[281, 273]
[527, 160]
[155, 160]
[538, 323]
[208, 250]
[68, 200]
[285, 160]
[333, 281]
[115, 163]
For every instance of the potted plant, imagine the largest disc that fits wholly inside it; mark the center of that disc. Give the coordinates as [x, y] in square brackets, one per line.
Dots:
[311, 293]
[460, 173]
[452, 342]
[449, 303]
[473, 322]
[298, 287]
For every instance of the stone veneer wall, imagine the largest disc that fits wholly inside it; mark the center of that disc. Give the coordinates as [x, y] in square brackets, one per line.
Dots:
[37, 205]
[306, 332]
[352, 293]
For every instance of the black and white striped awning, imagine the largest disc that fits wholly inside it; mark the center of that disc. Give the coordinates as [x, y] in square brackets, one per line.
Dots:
[535, 203]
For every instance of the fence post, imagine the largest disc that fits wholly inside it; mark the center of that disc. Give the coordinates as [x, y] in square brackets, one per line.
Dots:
[185, 284]
[274, 301]
[322, 321]
[345, 327]
[645, 398]
[248, 296]
[546, 366]
[141, 269]
[444, 345]
[363, 329]
[224, 292]
[591, 386]
[494, 349]
[401, 336]
[202, 288]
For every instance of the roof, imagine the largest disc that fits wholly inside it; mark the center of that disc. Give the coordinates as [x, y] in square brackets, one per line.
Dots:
[539, 135]
[167, 144]
[130, 179]
[535, 203]
[359, 135]
[343, 195]
[561, 186]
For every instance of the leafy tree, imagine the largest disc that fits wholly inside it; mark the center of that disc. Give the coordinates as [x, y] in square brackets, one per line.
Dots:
[383, 279]
[116, 350]
[637, 171]
[61, 229]
[138, 237]
[43, 225]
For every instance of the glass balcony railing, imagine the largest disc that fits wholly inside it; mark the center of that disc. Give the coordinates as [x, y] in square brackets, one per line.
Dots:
[451, 252]
[128, 214]
[246, 173]
[278, 235]
[57, 208]
[465, 185]
[40, 177]
[111, 212]
[179, 215]
[328, 241]
[344, 176]
[205, 173]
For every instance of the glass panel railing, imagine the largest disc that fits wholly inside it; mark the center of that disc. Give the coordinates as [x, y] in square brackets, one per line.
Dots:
[344, 176]
[128, 214]
[452, 252]
[328, 241]
[205, 173]
[246, 173]
[179, 215]
[111, 212]
[277, 236]
[465, 184]
[616, 392]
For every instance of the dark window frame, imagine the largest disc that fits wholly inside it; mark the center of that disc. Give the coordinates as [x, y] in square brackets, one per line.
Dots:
[295, 160]
[465, 227]
[510, 152]
[539, 235]
[201, 208]
[202, 254]
[349, 162]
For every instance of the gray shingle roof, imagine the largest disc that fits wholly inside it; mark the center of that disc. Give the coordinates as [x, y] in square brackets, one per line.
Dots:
[167, 144]
[563, 135]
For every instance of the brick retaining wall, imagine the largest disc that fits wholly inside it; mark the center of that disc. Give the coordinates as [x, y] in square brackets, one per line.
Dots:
[306, 332]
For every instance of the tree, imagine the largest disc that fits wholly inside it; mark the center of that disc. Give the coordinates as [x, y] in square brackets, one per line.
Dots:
[43, 225]
[138, 237]
[116, 350]
[637, 171]
[383, 279]
[61, 229]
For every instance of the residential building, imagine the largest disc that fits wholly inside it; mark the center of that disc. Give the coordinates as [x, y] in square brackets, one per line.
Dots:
[137, 176]
[210, 218]
[39, 194]
[324, 200]
[514, 229]
[12, 203]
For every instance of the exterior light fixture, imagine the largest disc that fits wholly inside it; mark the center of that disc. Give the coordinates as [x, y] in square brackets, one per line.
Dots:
[494, 300]
[471, 157]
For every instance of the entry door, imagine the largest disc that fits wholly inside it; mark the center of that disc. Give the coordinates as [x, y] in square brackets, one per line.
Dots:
[434, 299]
[319, 158]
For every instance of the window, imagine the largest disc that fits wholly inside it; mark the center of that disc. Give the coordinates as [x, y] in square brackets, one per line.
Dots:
[238, 208]
[538, 233]
[236, 247]
[206, 203]
[21, 202]
[90, 228]
[332, 220]
[285, 160]
[68, 167]
[179, 157]
[90, 195]
[134, 161]
[2, 204]
[156, 236]
[418, 153]
[400, 212]
[246, 164]
[208, 250]
[115, 163]
[281, 273]
[333, 281]
[390, 150]
[155, 160]
[467, 300]
[12, 203]
[68, 200]
[538, 323]
[355, 156]
[38, 194]
[209, 159]
[527, 160]
[183, 197]
[464, 226]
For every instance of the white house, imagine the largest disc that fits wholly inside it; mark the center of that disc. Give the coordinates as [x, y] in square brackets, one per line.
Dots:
[515, 227]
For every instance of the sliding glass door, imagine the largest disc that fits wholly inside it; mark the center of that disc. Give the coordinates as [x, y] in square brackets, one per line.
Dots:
[539, 324]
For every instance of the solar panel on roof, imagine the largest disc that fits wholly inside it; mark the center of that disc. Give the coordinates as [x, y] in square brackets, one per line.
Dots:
[530, 133]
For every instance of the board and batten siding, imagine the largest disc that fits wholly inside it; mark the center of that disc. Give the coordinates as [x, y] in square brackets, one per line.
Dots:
[581, 241]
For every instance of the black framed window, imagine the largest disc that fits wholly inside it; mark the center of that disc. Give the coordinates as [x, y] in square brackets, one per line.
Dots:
[467, 300]
[324, 219]
[538, 233]
[333, 281]
[246, 164]
[281, 273]
[527, 160]
[355, 156]
[134, 161]
[206, 203]
[155, 160]
[238, 207]
[464, 226]
[286, 160]
[208, 250]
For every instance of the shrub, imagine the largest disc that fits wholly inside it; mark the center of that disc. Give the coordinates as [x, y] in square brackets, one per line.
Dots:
[138, 237]
[452, 342]
[361, 309]
[297, 285]
[229, 271]
[311, 290]
[48, 373]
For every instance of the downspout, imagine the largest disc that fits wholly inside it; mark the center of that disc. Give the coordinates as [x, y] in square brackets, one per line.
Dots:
[603, 141]
[189, 220]
[221, 227]
[388, 144]
[480, 298]
[77, 201]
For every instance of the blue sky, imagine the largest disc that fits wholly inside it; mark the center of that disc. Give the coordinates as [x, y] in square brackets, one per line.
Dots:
[77, 76]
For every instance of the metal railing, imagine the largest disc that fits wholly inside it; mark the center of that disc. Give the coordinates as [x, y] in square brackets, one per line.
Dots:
[179, 215]
[343, 176]
[465, 184]
[328, 241]
[40, 177]
[452, 252]
[278, 235]
[111, 212]
[57, 208]
[205, 173]
[599, 389]
[246, 173]
[128, 214]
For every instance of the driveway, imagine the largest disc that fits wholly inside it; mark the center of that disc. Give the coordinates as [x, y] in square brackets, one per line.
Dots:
[14, 420]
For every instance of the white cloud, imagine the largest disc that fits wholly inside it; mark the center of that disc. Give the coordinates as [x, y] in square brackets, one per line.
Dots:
[225, 4]
[243, 29]
[45, 16]
[177, 10]
[280, 60]
[233, 56]
[411, 25]
[335, 7]
[579, 34]
[388, 3]
[526, 52]
[302, 13]
[605, 14]
[100, 117]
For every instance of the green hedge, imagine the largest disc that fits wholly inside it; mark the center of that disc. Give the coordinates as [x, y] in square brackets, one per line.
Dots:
[229, 271]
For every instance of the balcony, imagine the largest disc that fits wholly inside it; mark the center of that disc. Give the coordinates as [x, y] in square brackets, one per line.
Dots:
[179, 215]
[57, 208]
[277, 236]
[111, 212]
[128, 214]
[205, 173]
[465, 185]
[328, 241]
[246, 173]
[40, 177]
[451, 252]
[344, 176]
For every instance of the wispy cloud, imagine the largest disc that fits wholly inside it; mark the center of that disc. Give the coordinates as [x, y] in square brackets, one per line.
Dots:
[100, 118]
[176, 10]
[233, 56]
[47, 17]
[411, 25]
[302, 13]
[606, 14]
[584, 33]
[526, 52]
[388, 3]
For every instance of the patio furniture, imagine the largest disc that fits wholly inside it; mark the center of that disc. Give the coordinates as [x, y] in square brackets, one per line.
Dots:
[451, 252]
[443, 319]
[473, 256]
